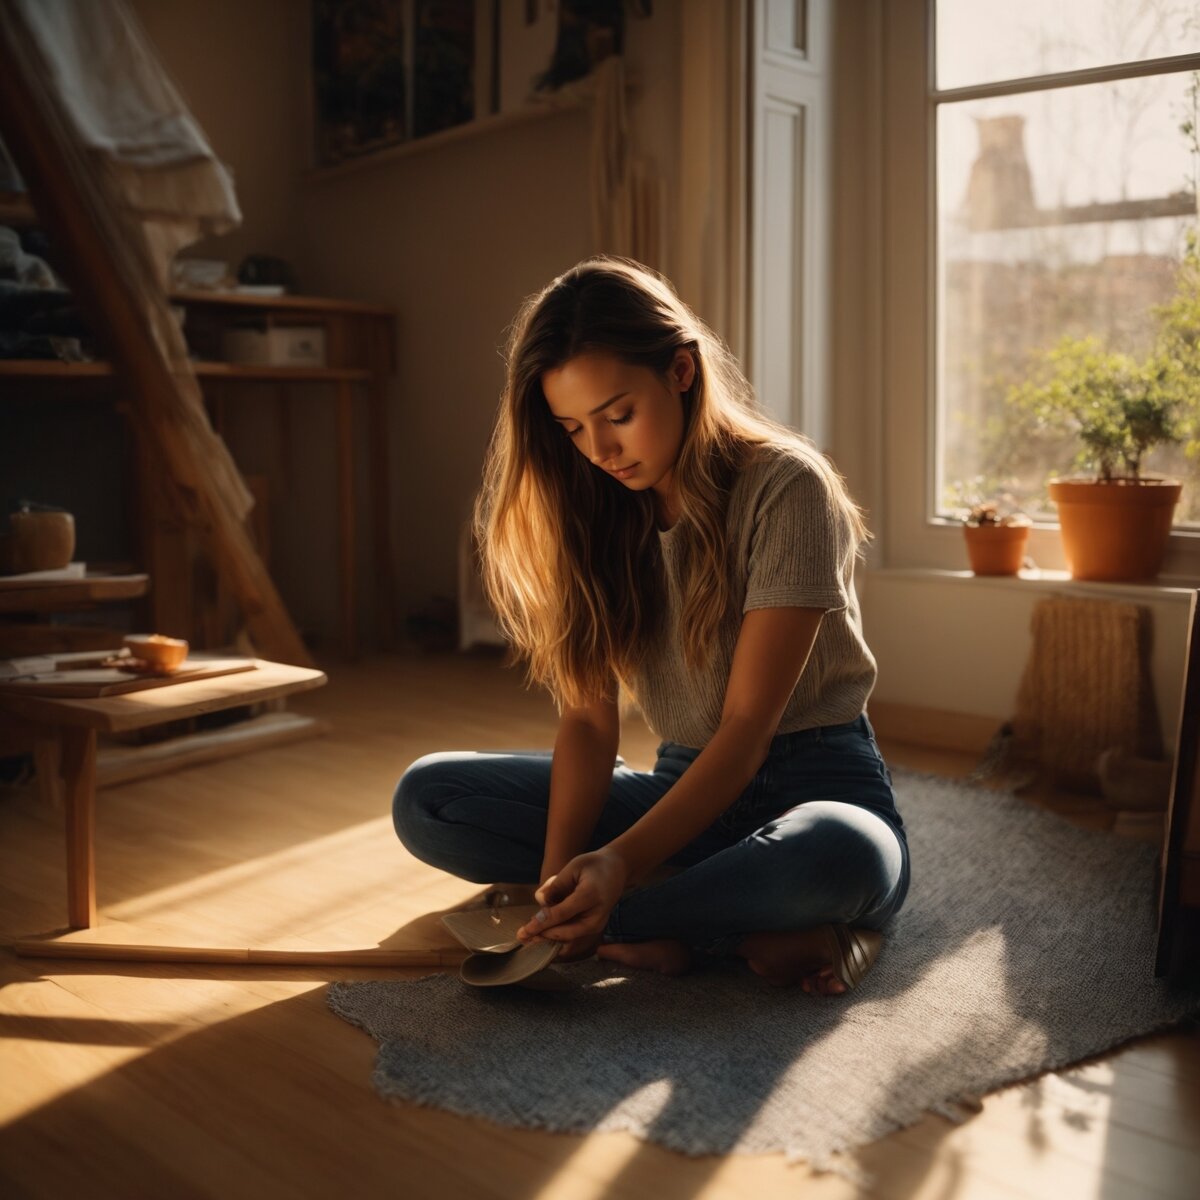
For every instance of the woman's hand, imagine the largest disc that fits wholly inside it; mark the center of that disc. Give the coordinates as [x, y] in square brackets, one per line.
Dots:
[576, 903]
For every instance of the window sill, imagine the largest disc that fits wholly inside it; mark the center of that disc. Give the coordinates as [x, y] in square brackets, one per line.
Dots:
[937, 545]
[1165, 588]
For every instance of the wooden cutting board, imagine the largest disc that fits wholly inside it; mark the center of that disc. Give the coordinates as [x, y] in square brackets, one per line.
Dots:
[88, 682]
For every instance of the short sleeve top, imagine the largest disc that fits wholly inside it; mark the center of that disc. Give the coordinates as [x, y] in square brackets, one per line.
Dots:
[792, 545]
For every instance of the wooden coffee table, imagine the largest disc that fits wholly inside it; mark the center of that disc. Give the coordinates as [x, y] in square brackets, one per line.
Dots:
[75, 724]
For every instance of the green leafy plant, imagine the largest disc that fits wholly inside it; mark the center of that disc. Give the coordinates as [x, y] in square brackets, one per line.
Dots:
[1179, 350]
[1117, 406]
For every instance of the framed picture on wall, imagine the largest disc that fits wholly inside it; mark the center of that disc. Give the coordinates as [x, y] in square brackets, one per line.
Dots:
[360, 77]
[444, 58]
[388, 71]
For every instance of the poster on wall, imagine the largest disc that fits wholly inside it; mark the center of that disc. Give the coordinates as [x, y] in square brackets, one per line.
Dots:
[443, 65]
[388, 71]
[360, 77]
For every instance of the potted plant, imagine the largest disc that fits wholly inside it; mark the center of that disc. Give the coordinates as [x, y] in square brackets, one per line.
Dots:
[1116, 521]
[995, 539]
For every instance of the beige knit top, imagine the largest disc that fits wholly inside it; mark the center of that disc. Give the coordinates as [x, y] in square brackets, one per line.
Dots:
[792, 546]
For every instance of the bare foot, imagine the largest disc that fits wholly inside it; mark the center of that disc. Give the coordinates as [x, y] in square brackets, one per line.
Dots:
[668, 956]
[787, 957]
[578, 948]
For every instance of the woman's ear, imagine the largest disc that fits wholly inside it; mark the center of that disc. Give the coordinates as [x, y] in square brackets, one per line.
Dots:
[683, 369]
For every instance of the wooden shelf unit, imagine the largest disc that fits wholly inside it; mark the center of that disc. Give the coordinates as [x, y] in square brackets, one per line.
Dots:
[19, 368]
[360, 351]
[70, 595]
[360, 341]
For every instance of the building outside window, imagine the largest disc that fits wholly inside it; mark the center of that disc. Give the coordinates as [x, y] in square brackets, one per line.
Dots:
[1065, 156]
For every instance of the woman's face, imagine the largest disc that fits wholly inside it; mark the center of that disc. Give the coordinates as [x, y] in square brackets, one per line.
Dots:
[626, 420]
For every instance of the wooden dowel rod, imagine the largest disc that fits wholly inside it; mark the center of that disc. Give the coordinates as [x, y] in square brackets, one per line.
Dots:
[114, 952]
[79, 786]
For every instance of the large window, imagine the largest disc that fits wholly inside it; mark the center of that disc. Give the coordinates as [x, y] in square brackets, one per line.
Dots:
[1065, 154]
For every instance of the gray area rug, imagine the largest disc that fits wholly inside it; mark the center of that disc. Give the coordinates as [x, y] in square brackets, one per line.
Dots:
[1026, 945]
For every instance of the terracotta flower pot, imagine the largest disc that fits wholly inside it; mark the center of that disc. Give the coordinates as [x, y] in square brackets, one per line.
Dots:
[1116, 531]
[996, 549]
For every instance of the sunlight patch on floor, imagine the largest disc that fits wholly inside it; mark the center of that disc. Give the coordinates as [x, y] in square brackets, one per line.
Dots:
[340, 874]
[54, 1043]
[596, 1165]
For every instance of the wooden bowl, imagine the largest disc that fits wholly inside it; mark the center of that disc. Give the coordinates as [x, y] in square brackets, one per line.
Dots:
[156, 649]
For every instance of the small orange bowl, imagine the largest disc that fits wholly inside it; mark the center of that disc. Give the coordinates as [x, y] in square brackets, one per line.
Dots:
[157, 650]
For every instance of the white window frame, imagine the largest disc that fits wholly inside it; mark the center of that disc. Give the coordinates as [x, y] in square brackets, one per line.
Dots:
[791, 212]
[905, 130]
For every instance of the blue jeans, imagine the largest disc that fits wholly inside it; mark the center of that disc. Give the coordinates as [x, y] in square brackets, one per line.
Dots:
[815, 837]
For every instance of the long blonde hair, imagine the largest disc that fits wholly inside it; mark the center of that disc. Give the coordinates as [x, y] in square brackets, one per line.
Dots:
[570, 557]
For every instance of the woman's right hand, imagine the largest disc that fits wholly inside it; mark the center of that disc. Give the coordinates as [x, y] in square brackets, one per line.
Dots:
[576, 948]
[577, 901]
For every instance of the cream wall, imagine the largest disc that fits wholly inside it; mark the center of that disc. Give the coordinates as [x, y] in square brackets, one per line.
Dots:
[241, 69]
[453, 238]
[955, 643]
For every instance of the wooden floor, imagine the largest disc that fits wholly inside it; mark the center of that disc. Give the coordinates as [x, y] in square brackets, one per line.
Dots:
[165, 1081]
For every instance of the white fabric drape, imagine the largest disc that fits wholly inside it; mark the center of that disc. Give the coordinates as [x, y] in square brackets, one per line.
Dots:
[129, 114]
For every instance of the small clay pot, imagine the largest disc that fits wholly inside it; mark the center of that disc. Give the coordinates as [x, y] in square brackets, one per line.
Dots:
[996, 549]
[37, 541]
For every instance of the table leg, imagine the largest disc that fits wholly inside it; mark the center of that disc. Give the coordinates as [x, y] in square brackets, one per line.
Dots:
[345, 437]
[47, 760]
[218, 409]
[283, 444]
[381, 509]
[79, 788]
[385, 601]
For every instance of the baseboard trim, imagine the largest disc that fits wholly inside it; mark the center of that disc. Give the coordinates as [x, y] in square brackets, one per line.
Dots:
[932, 728]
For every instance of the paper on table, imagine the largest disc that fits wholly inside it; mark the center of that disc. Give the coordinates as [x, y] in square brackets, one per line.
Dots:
[69, 660]
[75, 570]
[93, 683]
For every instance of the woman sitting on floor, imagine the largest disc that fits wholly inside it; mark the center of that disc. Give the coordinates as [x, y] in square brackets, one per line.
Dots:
[643, 523]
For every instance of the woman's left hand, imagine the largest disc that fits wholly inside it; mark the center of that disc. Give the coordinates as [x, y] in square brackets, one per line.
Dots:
[576, 902]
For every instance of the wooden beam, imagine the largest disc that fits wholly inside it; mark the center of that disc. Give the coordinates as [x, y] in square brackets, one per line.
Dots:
[121, 292]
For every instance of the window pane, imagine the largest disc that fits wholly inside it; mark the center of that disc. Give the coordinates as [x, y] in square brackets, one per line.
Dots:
[1060, 213]
[983, 42]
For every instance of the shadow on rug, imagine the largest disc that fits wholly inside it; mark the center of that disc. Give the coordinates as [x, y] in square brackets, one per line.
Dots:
[1026, 944]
